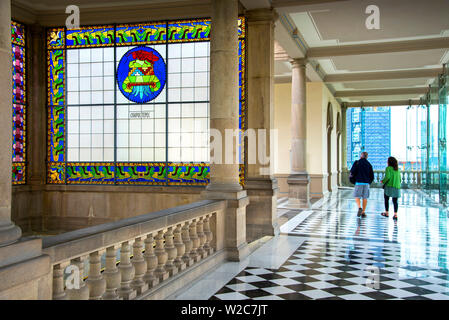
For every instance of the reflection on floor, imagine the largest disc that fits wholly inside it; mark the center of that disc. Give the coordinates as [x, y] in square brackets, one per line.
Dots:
[328, 253]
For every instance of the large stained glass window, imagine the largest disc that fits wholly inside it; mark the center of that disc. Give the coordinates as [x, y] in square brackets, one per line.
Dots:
[129, 104]
[19, 101]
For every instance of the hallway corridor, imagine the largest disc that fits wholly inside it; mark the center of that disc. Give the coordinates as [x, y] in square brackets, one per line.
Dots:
[328, 253]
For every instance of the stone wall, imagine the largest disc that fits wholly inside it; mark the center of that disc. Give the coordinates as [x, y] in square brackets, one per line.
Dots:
[63, 208]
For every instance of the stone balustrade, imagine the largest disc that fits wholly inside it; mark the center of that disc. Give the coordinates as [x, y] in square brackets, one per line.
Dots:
[411, 179]
[130, 258]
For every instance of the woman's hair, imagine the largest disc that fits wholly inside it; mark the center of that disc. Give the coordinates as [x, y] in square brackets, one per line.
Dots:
[392, 162]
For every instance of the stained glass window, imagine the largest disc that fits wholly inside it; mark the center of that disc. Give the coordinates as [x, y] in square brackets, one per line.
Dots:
[129, 104]
[19, 100]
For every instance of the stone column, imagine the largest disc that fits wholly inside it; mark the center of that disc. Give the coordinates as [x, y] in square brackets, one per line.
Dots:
[9, 232]
[299, 180]
[224, 115]
[16, 255]
[261, 186]
[343, 163]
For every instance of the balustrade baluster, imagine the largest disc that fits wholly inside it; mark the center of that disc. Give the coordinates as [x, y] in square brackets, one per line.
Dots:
[188, 244]
[82, 293]
[140, 267]
[126, 292]
[171, 253]
[209, 236]
[202, 238]
[195, 242]
[162, 256]
[95, 280]
[111, 274]
[151, 259]
[180, 248]
[58, 282]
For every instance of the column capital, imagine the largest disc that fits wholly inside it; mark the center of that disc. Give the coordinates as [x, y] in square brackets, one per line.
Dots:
[299, 63]
[261, 15]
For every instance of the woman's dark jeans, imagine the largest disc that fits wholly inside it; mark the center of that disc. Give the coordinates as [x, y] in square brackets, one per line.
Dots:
[387, 204]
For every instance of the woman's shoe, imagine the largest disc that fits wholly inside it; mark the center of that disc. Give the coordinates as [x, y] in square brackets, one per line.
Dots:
[384, 214]
[395, 217]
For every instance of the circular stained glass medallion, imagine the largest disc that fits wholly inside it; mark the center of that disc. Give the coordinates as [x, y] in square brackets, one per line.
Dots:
[141, 74]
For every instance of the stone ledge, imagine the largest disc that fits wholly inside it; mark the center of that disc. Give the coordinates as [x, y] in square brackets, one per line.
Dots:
[24, 249]
[26, 271]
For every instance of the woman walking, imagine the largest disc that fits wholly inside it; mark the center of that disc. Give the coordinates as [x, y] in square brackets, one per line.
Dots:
[392, 186]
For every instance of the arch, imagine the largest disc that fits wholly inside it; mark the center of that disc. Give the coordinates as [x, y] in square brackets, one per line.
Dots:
[330, 117]
[329, 127]
[339, 132]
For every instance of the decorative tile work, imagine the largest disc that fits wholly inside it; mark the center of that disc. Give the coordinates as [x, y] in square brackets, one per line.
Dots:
[18, 133]
[56, 133]
[56, 173]
[141, 173]
[56, 77]
[101, 36]
[195, 174]
[56, 38]
[18, 74]
[17, 33]
[90, 173]
[141, 34]
[18, 173]
[189, 30]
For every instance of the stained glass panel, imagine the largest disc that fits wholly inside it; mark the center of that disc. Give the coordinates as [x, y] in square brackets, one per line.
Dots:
[19, 99]
[109, 134]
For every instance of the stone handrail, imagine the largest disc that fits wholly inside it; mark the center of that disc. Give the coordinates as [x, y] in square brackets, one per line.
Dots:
[152, 248]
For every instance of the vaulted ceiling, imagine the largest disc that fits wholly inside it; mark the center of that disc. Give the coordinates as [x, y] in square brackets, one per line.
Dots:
[388, 66]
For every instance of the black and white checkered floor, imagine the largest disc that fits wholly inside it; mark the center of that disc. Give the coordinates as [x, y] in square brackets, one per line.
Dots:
[343, 257]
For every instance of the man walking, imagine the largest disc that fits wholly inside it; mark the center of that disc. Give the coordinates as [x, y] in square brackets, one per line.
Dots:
[363, 173]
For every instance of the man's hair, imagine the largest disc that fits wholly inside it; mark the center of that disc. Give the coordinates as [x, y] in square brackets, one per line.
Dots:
[364, 155]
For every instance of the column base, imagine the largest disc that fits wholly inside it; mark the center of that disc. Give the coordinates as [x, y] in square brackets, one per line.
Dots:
[25, 271]
[9, 233]
[128, 294]
[235, 218]
[299, 190]
[261, 213]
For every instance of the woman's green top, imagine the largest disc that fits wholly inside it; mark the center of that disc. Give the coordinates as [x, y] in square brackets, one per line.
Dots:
[393, 182]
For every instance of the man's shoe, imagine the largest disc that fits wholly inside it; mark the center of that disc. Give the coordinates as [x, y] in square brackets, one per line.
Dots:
[359, 213]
